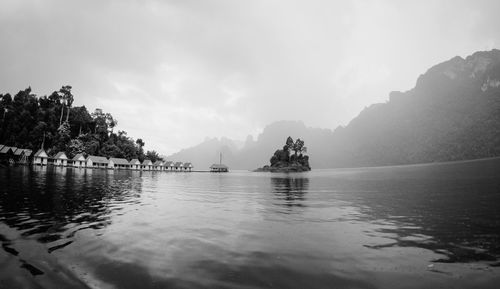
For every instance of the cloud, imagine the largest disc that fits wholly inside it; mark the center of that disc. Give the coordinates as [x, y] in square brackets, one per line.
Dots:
[174, 72]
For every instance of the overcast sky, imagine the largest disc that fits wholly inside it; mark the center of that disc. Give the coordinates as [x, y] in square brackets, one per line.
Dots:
[175, 72]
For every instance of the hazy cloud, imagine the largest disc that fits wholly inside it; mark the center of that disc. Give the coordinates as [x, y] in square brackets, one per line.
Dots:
[174, 72]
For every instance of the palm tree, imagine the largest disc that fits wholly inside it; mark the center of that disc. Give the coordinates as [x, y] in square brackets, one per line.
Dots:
[62, 109]
[69, 99]
[66, 100]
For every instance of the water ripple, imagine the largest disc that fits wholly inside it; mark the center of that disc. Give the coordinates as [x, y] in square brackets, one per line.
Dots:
[365, 228]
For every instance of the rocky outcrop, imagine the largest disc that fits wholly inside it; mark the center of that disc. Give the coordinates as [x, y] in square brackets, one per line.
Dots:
[285, 161]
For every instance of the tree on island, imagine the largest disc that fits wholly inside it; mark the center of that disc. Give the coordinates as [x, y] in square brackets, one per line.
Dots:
[283, 161]
[298, 147]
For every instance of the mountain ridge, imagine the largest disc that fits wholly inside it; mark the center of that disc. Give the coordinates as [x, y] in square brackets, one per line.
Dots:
[452, 113]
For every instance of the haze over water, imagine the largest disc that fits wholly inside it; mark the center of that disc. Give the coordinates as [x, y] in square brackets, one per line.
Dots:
[422, 226]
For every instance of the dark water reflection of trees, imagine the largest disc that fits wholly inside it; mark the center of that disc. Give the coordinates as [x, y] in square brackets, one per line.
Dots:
[290, 190]
[51, 204]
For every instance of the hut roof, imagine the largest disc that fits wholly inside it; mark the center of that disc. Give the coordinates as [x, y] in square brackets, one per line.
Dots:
[168, 163]
[119, 161]
[40, 152]
[6, 149]
[158, 163]
[1, 146]
[79, 157]
[135, 162]
[218, 166]
[99, 160]
[18, 151]
[27, 152]
[147, 162]
[188, 165]
[178, 164]
[61, 156]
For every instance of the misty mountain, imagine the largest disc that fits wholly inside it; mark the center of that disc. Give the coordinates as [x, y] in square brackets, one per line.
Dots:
[207, 152]
[452, 113]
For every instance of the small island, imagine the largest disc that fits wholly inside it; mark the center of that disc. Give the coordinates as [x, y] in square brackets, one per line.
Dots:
[284, 161]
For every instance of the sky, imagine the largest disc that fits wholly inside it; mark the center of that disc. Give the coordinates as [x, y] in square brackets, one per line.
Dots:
[175, 72]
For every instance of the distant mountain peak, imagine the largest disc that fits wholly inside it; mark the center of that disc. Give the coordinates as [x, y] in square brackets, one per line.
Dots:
[450, 114]
[481, 68]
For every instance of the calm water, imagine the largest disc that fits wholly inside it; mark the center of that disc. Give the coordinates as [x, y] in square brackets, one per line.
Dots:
[427, 226]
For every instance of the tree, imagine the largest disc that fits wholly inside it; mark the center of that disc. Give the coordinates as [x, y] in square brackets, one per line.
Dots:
[80, 120]
[289, 144]
[67, 96]
[104, 123]
[76, 146]
[100, 126]
[140, 142]
[109, 149]
[126, 145]
[37, 134]
[62, 138]
[63, 98]
[274, 159]
[153, 156]
[110, 122]
[140, 151]
[298, 147]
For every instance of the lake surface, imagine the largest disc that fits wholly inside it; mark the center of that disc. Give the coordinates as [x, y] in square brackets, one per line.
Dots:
[422, 226]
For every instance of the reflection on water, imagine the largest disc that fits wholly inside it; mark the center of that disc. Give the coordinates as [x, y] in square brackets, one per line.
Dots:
[450, 212]
[418, 226]
[53, 205]
[290, 191]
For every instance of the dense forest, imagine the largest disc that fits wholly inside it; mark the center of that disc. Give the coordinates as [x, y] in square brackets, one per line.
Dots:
[52, 122]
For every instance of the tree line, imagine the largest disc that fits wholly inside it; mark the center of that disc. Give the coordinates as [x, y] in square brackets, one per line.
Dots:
[53, 123]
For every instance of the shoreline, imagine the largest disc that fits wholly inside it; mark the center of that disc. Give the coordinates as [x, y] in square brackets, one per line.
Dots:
[262, 170]
[416, 164]
[287, 169]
